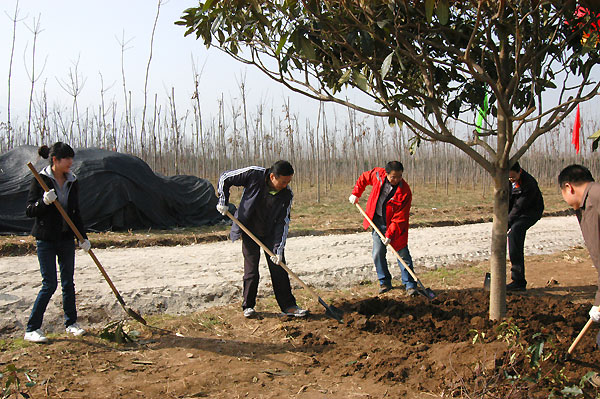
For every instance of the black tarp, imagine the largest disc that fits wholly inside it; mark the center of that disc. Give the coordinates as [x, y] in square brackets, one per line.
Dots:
[117, 192]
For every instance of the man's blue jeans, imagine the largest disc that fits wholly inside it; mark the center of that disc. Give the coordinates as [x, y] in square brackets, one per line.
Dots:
[381, 266]
[47, 252]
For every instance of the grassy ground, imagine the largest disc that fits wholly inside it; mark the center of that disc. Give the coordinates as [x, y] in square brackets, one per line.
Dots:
[332, 214]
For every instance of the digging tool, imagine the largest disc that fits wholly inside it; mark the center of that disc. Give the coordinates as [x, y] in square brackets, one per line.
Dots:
[581, 334]
[330, 310]
[427, 292]
[136, 316]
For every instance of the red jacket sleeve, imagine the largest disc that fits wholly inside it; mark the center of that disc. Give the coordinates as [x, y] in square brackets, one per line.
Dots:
[364, 180]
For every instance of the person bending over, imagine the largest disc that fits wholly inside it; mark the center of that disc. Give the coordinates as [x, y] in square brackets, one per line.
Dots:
[582, 193]
[525, 208]
[265, 210]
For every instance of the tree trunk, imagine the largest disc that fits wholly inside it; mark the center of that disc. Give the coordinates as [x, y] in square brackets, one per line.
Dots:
[498, 255]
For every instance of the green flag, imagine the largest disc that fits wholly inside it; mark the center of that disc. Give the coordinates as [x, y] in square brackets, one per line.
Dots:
[481, 114]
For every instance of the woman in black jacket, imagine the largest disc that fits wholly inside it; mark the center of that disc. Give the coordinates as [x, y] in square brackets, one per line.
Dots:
[54, 238]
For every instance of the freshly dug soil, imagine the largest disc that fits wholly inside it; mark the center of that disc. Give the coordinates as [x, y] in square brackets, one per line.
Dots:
[387, 346]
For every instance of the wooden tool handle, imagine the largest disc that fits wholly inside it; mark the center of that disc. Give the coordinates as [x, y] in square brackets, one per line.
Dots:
[76, 231]
[581, 334]
[408, 269]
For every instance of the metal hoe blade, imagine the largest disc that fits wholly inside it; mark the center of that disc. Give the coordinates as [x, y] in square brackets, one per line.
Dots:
[332, 311]
[136, 316]
[427, 293]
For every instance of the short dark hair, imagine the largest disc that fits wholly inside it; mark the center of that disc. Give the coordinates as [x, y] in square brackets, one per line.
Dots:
[59, 150]
[574, 174]
[282, 168]
[395, 166]
[516, 167]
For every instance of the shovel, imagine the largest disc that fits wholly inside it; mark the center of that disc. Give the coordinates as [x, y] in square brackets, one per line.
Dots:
[132, 313]
[330, 310]
[427, 292]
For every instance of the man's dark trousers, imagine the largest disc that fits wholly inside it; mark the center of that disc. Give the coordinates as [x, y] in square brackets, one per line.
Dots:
[516, 247]
[279, 277]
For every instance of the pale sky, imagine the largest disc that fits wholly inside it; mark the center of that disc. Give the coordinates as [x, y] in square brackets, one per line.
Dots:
[90, 32]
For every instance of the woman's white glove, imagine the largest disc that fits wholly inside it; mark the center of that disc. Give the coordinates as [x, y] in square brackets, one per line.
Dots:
[353, 199]
[276, 259]
[386, 241]
[595, 313]
[85, 245]
[222, 209]
[49, 197]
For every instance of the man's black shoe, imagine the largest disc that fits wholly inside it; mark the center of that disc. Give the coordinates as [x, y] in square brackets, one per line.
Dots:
[384, 288]
[514, 287]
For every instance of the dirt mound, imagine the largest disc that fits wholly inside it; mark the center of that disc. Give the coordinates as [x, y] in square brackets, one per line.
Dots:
[453, 315]
[449, 344]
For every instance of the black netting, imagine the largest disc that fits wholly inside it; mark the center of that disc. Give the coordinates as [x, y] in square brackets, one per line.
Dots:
[117, 192]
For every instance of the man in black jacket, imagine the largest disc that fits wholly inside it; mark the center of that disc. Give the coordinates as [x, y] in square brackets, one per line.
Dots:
[525, 208]
[265, 210]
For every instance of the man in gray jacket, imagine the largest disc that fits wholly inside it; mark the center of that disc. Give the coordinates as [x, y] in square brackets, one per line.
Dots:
[582, 193]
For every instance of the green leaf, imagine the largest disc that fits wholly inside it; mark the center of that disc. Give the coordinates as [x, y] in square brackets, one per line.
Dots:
[360, 80]
[595, 135]
[207, 5]
[400, 62]
[573, 390]
[414, 143]
[383, 23]
[442, 11]
[429, 5]
[586, 378]
[387, 63]
[307, 48]
[282, 42]
[345, 77]
[217, 23]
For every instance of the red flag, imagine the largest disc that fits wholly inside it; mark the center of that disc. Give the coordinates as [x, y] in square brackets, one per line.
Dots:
[575, 139]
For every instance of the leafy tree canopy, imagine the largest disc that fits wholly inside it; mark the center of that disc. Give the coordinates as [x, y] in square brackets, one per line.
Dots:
[435, 59]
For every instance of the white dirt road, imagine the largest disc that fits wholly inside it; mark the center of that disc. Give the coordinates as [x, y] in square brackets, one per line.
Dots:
[184, 279]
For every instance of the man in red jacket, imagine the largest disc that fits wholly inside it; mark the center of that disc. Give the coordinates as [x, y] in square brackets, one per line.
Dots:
[388, 207]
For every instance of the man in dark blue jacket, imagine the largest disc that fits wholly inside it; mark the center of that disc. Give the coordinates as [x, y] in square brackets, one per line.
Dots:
[265, 210]
[525, 208]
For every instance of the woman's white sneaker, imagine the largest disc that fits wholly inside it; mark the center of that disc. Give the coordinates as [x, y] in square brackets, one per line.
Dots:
[35, 336]
[75, 330]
